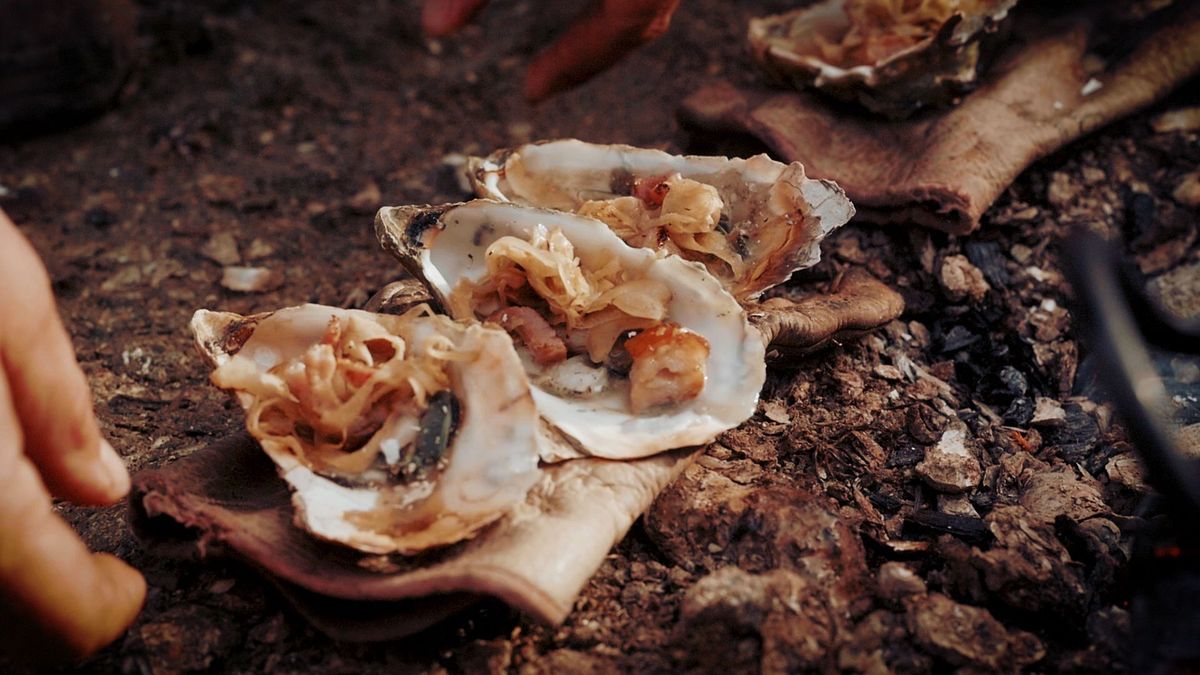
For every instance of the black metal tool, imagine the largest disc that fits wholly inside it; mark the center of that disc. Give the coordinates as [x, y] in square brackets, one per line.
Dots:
[1120, 323]
[1119, 320]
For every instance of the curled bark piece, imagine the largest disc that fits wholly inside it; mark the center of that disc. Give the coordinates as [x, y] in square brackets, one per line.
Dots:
[227, 500]
[944, 169]
[859, 303]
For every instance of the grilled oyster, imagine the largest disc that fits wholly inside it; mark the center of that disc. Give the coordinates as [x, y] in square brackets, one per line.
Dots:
[396, 433]
[750, 222]
[629, 352]
[891, 56]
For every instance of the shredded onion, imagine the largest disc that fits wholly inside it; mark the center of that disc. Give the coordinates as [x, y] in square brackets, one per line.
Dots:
[682, 218]
[333, 404]
[590, 306]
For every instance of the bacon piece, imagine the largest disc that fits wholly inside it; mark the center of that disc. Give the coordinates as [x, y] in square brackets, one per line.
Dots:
[652, 190]
[537, 334]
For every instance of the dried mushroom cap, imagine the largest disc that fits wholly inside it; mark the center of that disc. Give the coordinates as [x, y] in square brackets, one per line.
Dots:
[891, 62]
[438, 466]
[751, 222]
[858, 304]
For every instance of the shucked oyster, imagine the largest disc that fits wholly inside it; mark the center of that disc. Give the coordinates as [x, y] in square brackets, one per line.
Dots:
[630, 353]
[891, 56]
[396, 433]
[750, 222]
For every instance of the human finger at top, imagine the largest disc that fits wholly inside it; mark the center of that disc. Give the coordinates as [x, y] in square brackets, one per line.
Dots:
[442, 17]
[607, 30]
[50, 395]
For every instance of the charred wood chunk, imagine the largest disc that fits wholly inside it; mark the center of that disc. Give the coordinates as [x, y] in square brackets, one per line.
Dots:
[934, 522]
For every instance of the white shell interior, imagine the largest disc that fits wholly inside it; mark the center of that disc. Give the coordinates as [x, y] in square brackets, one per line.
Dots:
[603, 425]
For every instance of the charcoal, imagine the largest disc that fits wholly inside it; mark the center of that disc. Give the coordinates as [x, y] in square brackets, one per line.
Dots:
[1139, 214]
[1077, 434]
[983, 501]
[958, 338]
[927, 521]
[99, 218]
[905, 456]
[1019, 412]
[883, 502]
[1014, 380]
[989, 258]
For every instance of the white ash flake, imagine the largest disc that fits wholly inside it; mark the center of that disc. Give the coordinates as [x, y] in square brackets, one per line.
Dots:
[249, 279]
[776, 412]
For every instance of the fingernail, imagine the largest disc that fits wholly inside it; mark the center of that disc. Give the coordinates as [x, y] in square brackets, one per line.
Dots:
[115, 473]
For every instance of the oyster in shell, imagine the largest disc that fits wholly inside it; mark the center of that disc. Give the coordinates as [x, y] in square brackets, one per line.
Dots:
[891, 56]
[750, 222]
[629, 352]
[395, 433]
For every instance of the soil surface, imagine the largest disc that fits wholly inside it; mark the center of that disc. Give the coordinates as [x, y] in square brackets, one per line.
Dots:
[944, 493]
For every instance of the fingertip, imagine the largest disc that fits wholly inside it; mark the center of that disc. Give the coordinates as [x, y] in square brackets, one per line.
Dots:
[435, 20]
[442, 17]
[95, 478]
[128, 588]
[116, 474]
[121, 593]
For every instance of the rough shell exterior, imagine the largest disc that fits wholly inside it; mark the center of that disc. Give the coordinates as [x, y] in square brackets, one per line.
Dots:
[934, 72]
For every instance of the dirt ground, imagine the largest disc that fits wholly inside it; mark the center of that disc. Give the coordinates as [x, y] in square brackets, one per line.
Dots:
[838, 529]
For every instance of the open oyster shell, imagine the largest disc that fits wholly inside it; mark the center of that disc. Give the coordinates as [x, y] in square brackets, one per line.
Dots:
[772, 217]
[486, 462]
[893, 73]
[448, 245]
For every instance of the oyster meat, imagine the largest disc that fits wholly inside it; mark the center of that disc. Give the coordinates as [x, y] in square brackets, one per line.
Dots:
[891, 56]
[629, 352]
[395, 433]
[750, 222]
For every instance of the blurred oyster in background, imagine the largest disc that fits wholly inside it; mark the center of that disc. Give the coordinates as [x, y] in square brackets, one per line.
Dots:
[894, 57]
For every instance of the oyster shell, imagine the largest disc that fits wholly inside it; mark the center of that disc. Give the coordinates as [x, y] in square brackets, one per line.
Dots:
[751, 222]
[451, 248]
[423, 472]
[892, 58]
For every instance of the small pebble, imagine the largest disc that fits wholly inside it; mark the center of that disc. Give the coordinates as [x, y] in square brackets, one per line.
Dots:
[961, 280]
[1048, 412]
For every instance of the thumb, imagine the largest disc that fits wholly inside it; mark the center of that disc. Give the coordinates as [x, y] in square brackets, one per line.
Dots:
[59, 601]
[62, 602]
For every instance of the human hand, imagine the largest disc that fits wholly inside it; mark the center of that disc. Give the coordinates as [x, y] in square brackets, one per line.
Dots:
[604, 33]
[58, 600]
